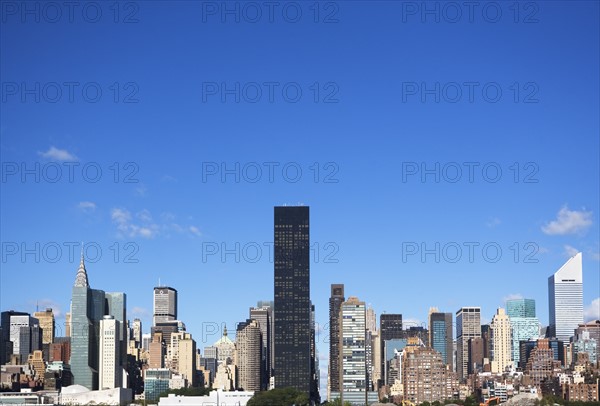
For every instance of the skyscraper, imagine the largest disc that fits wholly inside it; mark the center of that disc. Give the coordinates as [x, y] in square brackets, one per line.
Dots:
[248, 355]
[165, 304]
[25, 335]
[524, 324]
[88, 308]
[110, 369]
[390, 328]
[501, 348]
[47, 325]
[335, 304]
[468, 325]
[352, 354]
[520, 308]
[565, 299]
[440, 334]
[137, 332]
[263, 314]
[292, 298]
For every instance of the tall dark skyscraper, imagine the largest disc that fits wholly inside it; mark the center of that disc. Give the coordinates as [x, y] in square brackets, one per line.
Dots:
[390, 329]
[440, 335]
[335, 304]
[292, 298]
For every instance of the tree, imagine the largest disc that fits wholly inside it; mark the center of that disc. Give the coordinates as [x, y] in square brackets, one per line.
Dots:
[280, 397]
[337, 402]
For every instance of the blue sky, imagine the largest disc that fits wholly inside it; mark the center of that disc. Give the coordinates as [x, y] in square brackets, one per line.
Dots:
[167, 122]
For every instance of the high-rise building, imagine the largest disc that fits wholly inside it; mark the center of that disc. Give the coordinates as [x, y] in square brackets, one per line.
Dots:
[110, 369]
[292, 298]
[520, 308]
[390, 328]
[136, 327]
[25, 335]
[335, 304]
[440, 334]
[425, 377]
[352, 354]
[157, 350]
[524, 324]
[592, 327]
[541, 363]
[225, 349]
[187, 359]
[248, 355]
[565, 299]
[264, 316]
[6, 345]
[165, 304]
[46, 320]
[468, 325]
[88, 308]
[475, 355]
[501, 348]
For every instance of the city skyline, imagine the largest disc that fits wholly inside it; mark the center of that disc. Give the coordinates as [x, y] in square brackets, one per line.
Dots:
[449, 159]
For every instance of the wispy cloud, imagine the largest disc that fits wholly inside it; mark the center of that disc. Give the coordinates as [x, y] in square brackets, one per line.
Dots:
[139, 311]
[592, 312]
[570, 250]
[87, 207]
[568, 222]
[493, 222]
[145, 228]
[195, 231]
[58, 154]
[44, 304]
[512, 296]
[142, 224]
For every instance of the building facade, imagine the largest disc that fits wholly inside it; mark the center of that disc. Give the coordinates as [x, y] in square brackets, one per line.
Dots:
[501, 340]
[110, 369]
[565, 299]
[165, 305]
[335, 305]
[248, 355]
[292, 298]
[440, 335]
[468, 325]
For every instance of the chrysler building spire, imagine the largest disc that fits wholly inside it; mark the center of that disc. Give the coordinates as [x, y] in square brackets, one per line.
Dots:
[81, 280]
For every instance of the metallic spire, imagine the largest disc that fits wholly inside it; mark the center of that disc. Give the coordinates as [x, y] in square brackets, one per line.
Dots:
[81, 280]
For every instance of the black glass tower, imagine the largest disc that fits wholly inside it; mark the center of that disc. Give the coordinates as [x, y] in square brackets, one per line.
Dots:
[292, 299]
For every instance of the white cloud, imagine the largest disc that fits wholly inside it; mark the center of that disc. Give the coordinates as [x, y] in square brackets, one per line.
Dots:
[195, 231]
[512, 296]
[44, 304]
[139, 311]
[411, 322]
[570, 251]
[493, 222]
[592, 312]
[58, 154]
[86, 207]
[126, 227]
[568, 222]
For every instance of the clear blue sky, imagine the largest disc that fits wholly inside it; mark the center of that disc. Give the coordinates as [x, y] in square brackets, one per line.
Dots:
[369, 64]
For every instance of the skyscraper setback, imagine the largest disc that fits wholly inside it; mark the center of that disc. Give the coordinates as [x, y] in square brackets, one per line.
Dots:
[88, 308]
[165, 304]
[565, 299]
[335, 304]
[292, 298]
